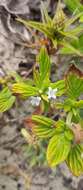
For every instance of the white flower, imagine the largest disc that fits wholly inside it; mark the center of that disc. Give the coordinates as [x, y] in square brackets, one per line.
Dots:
[51, 93]
[35, 101]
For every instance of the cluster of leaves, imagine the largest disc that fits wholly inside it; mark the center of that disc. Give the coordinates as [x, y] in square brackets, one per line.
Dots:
[64, 144]
[61, 146]
[41, 80]
[60, 30]
[37, 87]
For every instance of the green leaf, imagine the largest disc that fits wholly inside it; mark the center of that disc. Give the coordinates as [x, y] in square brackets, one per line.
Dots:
[68, 34]
[60, 126]
[44, 63]
[42, 120]
[76, 30]
[44, 127]
[81, 19]
[60, 85]
[60, 144]
[79, 104]
[75, 47]
[41, 77]
[73, 33]
[78, 44]
[75, 159]
[63, 129]
[68, 104]
[44, 131]
[74, 85]
[6, 99]
[58, 149]
[74, 5]
[24, 90]
[37, 25]
[71, 21]
[70, 49]
[36, 77]
[69, 134]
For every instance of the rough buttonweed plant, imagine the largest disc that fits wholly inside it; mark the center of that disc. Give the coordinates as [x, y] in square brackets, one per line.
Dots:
[65, 136]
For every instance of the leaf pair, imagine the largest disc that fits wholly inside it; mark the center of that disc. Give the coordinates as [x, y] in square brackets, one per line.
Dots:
[61, 147]
[58, 149]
